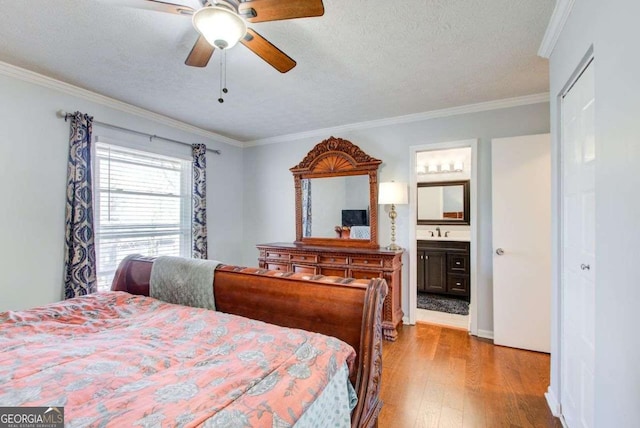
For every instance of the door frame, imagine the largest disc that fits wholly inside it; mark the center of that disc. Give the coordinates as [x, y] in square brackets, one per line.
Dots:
[413, 245]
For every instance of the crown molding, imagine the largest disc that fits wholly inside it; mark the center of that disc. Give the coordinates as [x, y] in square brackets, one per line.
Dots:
[48, 82]
[416, 117]
[556, 24]
[51, 83]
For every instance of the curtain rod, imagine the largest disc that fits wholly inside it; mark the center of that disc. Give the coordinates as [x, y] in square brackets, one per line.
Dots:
[64, 115]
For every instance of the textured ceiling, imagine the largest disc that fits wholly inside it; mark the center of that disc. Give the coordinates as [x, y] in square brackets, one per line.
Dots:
[363, 60]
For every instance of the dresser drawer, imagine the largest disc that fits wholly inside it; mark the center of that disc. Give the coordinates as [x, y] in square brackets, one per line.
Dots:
[366, 261]
[305, 269]
[277, 266]
[334, 260]
[275, 255]
[304, 258]
[458, 263]
[343, 273]
[365, 274]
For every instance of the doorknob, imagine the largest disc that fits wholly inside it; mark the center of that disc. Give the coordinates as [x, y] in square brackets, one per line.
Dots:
[499, 251]
[585, 267]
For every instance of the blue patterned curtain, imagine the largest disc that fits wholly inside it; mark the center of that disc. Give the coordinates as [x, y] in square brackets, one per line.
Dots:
[199, 201]
[306, 207]
[80, 253]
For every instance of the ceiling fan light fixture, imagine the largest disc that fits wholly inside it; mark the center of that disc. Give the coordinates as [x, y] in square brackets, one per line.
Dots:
[221, 27]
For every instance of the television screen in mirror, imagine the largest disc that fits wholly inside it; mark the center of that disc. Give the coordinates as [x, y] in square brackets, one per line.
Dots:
[443, 202]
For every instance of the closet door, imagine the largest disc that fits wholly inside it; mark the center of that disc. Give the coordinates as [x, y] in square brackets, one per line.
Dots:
[578, 252]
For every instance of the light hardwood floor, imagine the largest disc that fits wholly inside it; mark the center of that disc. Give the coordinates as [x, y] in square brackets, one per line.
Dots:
[435, 376]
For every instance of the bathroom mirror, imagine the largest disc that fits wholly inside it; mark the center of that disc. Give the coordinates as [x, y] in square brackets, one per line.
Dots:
[443, 202]
[337, 196]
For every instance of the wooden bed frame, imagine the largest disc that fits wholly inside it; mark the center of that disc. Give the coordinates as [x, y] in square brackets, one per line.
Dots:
[349, 311]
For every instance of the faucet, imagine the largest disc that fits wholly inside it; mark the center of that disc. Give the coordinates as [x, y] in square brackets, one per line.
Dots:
[438, 230]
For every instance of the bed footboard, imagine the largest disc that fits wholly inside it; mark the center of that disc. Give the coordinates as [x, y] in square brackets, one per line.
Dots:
[350, 310]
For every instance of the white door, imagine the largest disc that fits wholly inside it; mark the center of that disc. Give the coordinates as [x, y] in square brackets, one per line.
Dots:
[521, 195]
[578, 252]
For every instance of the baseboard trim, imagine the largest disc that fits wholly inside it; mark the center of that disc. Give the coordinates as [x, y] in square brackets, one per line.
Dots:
[485, 334]
[554, 405]
[552, 402]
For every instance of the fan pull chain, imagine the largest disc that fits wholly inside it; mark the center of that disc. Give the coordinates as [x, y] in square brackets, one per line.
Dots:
[224, 88]
[223, 75]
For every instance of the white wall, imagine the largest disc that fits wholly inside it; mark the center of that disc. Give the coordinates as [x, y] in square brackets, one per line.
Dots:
[33, 156]
[611, 28]
[269, 193]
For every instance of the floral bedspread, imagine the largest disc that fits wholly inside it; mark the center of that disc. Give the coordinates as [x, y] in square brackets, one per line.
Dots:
[128, 360]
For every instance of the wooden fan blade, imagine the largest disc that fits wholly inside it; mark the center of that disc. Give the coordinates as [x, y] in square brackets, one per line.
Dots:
[200, 53]
[156, 5]
[276, 10]
[267, 51]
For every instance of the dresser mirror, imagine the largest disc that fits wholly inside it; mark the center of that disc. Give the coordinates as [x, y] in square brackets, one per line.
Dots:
[337, 196]
[337, 202]
[443, 202]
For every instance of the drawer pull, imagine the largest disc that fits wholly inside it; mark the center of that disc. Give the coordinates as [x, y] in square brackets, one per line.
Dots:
[332, 259]
[457, 263]
[366, 261]
[303, 258]
[458, 283]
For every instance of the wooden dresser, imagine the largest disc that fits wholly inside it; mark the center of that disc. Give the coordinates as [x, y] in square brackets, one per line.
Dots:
[359, 263]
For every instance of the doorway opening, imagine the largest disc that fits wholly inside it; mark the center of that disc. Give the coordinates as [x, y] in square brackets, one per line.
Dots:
[442, 277]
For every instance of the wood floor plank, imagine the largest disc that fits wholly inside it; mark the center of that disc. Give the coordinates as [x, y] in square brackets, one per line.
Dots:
[439, 377]
[474, 415]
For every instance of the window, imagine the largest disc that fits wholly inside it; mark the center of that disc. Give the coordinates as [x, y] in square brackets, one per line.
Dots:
[143, 206]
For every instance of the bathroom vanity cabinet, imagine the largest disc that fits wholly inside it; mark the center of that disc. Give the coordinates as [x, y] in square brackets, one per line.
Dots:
[443, 267]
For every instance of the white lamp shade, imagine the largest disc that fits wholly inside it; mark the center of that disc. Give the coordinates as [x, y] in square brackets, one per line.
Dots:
[391, 192]
[219, 26]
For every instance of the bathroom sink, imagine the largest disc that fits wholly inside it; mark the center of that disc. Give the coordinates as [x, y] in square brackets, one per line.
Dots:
[454, 235]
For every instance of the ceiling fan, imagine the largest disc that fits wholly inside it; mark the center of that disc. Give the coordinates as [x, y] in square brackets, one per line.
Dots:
[223, 23]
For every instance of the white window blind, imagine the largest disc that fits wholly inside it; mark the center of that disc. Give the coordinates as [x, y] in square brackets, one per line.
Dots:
[143, 206]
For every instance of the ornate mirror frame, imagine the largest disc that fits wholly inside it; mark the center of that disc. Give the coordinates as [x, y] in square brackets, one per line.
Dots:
[335, 157]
